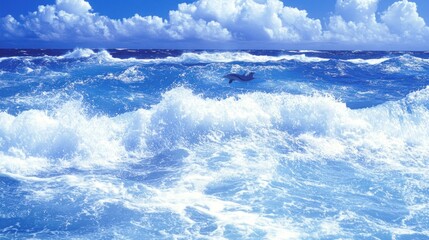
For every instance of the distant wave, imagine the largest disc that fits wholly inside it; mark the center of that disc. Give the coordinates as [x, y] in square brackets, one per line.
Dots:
[405, 59]
[305, 51]
[79, 53]
[375, 61]
[240, 57]
[192, 57]
[217, 57]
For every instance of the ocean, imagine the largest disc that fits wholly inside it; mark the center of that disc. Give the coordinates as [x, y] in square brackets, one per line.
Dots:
[156, 144]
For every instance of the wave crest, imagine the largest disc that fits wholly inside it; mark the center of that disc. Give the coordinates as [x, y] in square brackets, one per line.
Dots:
[69, 137]
[226, 57]
[195, 57]
[79, 53]
[86, 53]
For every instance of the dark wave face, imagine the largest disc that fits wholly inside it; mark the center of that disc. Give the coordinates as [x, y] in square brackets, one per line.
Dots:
[156, 144]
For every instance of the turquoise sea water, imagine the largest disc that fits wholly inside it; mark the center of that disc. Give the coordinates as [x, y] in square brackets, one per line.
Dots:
[155, 144]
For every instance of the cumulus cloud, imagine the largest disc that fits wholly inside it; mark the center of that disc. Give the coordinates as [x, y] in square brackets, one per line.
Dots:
[403, 20]
[354, 21]
[218, 20]
[73, 6]
[257, 20]
[138, 26]
[357, 10]
[183, 25]
[68, 19]
[11, 27]
[357, 32]
[73, 20]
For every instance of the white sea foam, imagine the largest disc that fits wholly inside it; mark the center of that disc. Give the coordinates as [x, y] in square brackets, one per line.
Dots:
[413, 63]
[249, 166]
[103, 56]
[392, 69]
[79, 53]
[374, 61]
[131, 74]
[63, 138]
[239, 57]
[236, 144]
[194, 57]
[305, 51]
[182, 118]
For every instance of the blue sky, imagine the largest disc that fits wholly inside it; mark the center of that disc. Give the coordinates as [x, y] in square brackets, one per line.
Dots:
[297, 24]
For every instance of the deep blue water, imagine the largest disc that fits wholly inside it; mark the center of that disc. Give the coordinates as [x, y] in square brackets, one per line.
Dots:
[155, 144]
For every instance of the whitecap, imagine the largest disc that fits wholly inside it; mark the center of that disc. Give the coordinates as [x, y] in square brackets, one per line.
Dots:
[131, 74]
[225, 57]
[374, 61]
[397, 130]
[78, 53]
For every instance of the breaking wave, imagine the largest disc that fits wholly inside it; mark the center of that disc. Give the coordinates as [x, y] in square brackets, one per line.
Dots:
[182, 118]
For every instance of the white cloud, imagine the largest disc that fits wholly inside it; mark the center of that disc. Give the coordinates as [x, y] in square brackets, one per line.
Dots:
[138, 26]
[403, 20]
[257, 20]
[218, 20]
[73, 20]
[354, 21]
[69, 19]
[368, 31]
[356, 10]
[11, 27]
[183, 26]
[73, 6]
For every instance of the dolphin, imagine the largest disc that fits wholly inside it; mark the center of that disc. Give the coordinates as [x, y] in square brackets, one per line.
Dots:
[239, 77]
